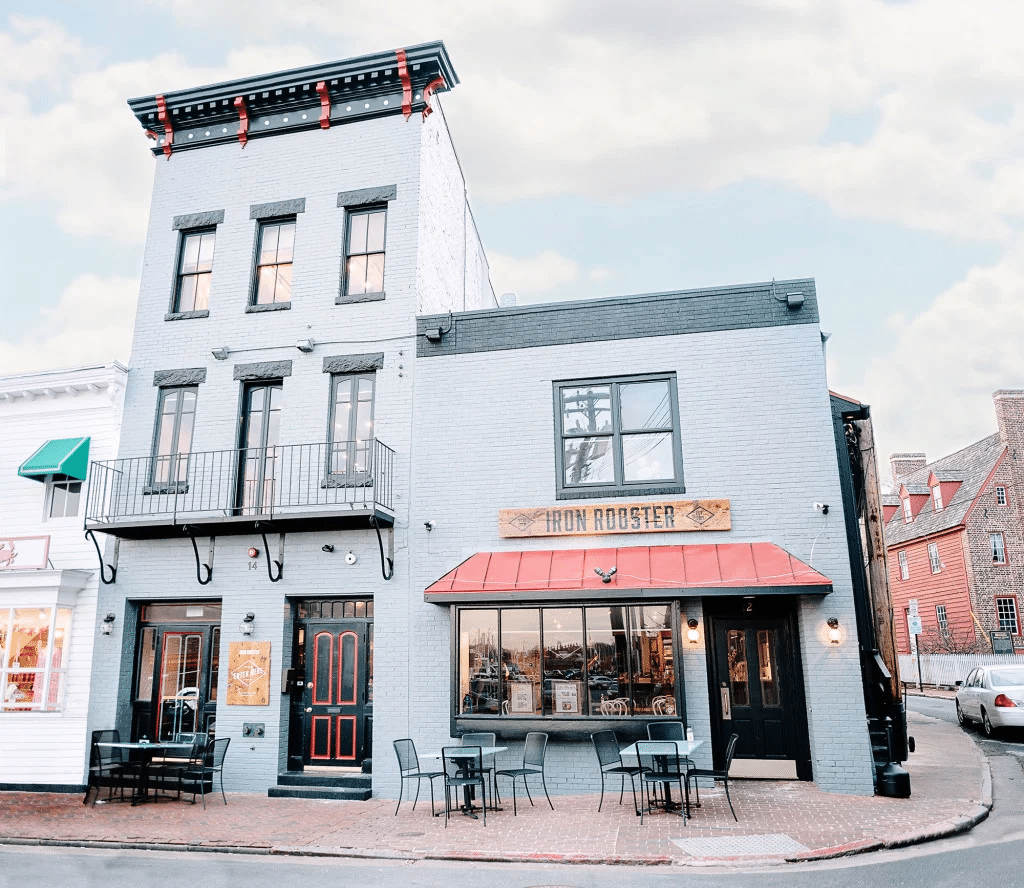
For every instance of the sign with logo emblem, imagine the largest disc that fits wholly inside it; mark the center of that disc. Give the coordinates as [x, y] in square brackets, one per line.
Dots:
[587, 519]
[24, 553]
[248, 673]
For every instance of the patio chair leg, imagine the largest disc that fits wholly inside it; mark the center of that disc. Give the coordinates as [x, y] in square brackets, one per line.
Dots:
[728, 798]
[419, 782]
[601, 800]
[526, 786]
[401, 786]
[544, 783]
[222, 787]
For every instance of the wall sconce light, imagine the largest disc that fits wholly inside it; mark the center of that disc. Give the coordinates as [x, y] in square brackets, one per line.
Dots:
[327, 547]
[835, 634]
[692, 632]
[107, 626]
[221, 352]
[246, 626]
[305, 345]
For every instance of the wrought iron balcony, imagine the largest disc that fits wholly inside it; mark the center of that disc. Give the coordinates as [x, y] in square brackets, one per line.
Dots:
[290, 487]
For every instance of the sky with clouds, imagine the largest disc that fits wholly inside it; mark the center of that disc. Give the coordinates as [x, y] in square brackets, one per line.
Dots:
[610, 148]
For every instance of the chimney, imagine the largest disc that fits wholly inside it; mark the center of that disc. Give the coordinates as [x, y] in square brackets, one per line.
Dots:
[1009, 405]
[903, 464]
[508, 300]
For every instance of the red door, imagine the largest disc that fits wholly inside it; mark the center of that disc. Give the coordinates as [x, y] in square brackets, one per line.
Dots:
[338, 701]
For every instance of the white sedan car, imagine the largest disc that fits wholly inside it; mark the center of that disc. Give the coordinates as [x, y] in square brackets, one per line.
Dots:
[993, 696]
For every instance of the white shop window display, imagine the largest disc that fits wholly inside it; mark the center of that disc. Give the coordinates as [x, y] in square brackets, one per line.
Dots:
[34, 657]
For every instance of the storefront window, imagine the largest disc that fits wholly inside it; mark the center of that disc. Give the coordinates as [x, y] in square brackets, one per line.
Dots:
[33, 657]
[567, 661]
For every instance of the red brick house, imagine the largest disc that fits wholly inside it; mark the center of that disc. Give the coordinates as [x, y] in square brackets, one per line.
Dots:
[954, 536]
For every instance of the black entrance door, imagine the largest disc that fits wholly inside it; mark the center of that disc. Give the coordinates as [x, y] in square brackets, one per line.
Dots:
[758, 694]
[338, 692]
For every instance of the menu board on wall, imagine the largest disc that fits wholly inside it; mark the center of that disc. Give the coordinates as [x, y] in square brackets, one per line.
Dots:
[248, 673]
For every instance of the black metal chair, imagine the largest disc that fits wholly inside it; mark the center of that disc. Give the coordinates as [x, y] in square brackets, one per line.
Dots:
[482, 739]
[662, 766]
[108, 766]
[533, 763]
[463, 770]
[208, 761]
[409, 769]
[610, 760]
[177, 773]
[665, 730]
[718, 776]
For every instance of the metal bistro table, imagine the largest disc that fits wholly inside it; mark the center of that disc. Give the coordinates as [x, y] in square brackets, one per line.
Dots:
[145, 752]
[685, 748]
[454, 753]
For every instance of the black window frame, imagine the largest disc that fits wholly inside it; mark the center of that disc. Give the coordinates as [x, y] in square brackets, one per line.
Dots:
[169, 484]
[619, 487]
[176, 309]
[346, 255]
[261, 228]
[352, 478]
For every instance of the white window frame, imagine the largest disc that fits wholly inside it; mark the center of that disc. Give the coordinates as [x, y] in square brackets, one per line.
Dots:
[1010, 622]
[942, 619]
[904, 565]
[51, 499]
[13, 699]
[997, 545]
[937, 497]
[908, 515]
[933, 558]
[1000, 495]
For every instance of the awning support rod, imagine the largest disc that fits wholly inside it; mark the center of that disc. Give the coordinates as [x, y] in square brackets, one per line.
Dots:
[279, 561]
[89, 535]
[209, 568]
[387, 571]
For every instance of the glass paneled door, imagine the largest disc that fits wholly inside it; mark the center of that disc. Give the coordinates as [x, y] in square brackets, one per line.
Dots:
[259, 432]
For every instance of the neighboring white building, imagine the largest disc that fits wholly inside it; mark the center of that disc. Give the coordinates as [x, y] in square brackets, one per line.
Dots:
[52, 424]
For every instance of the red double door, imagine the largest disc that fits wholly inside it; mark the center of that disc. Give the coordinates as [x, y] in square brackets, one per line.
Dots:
[338, 692]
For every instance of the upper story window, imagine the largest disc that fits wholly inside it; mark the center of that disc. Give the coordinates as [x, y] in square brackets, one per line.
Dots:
[941, 619]
[908, 515]
[618, 436]
[274, 262]
[937, 497]
[904, 566]
[34, 657]
[64, 498]
[351, 428]
[1000, 496]
[933, 558]
[998, 548]
[1006, 613]
[173, 439]
[364, 252]
[195, 267]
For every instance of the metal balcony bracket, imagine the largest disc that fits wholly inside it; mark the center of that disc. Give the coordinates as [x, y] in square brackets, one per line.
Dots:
[195, 548]
[387, 565]
[279, 561]
[89, 535]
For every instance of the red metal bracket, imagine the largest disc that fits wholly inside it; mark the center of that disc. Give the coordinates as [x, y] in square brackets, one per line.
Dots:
[325, 105]
[428, 92]
[243, 121]
[403, 75]
[165, 119]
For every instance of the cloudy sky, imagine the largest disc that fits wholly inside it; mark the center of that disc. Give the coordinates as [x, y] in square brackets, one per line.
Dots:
[610, 148]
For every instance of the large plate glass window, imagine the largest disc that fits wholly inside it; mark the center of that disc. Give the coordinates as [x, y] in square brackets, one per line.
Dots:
[618, 435]
[34, 657]
[173, 440]
[567, 661]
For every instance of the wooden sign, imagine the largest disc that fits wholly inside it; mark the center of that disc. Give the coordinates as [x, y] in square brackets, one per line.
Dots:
[588, 519]
[249, 673]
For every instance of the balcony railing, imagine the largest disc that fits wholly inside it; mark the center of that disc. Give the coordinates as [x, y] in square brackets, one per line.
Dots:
[235, 488]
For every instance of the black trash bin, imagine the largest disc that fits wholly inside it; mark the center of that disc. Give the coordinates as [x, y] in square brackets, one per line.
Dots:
[893, 781]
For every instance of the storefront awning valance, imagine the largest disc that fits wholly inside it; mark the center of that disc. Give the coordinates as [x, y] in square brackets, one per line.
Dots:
[639, 572]
[65, 459]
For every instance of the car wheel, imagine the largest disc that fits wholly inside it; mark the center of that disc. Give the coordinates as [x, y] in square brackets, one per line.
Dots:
[960, 717]
[986, 724]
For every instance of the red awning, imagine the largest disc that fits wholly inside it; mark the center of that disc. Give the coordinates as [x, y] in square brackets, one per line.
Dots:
[640, 571]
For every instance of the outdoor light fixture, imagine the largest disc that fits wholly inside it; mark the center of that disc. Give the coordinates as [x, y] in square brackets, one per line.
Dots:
[692, 633]
[254, 552]
[107, 626]
[835, 634]
[246, 626]
[221, 352]
[304, 345]
[327, 547]
[606, 575]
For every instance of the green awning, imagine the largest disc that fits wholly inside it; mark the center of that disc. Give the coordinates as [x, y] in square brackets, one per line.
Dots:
[65, 459]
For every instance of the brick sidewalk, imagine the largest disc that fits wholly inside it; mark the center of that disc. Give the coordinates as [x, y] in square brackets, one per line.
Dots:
[777, 819]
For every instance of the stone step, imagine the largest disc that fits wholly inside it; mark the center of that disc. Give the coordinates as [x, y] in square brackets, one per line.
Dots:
[337, 793]
[347, 780]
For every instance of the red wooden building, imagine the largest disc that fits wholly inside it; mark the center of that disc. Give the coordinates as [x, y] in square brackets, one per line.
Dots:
[954, 536]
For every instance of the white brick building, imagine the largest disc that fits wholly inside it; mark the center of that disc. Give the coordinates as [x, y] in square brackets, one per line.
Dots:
[51, 424]
[326, 413]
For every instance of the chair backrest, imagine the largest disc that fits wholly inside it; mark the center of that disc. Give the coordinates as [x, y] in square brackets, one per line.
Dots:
[664, 705]
[606, 745]
[615, 707]
[216, 752]
[666, 731]
[480, 739]
[535, 750]
[405, 749]
[659, 756]
[730, 749]
[463, 761]
[102, 755]
[189, 737]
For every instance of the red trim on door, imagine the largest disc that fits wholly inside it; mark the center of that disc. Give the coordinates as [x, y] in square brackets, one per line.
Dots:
[355, 667]
[320, 701]
[312, 738]
[337, 731]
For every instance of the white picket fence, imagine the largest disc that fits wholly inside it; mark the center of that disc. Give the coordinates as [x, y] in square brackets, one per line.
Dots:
[947, 669]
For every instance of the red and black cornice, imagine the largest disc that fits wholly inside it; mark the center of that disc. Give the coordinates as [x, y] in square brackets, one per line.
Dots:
[316, 97]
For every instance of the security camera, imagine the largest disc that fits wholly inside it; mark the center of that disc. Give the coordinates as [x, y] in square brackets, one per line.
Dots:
[821, 507]
[429, 525]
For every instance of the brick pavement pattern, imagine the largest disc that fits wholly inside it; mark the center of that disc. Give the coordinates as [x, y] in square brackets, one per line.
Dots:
[948, 775]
